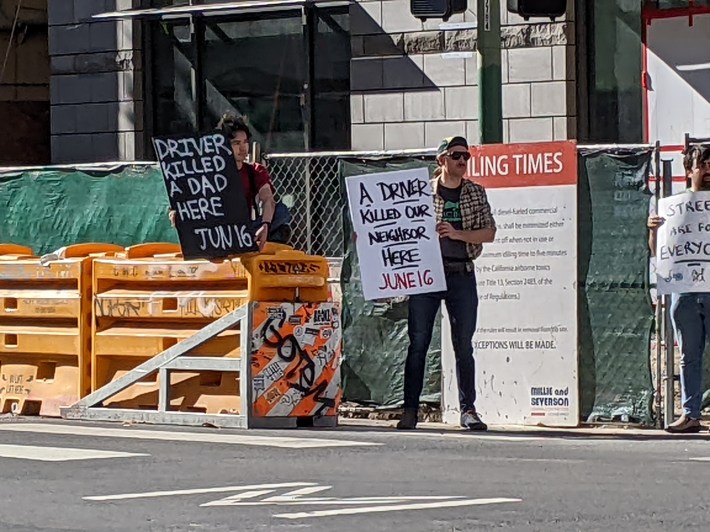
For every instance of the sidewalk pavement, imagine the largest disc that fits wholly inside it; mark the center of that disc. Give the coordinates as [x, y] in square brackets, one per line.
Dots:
[607, 431]
[585, 431]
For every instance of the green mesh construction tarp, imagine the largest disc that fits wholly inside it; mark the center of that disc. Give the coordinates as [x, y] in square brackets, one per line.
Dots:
[50, 208]
[375, 334]
[615, 313]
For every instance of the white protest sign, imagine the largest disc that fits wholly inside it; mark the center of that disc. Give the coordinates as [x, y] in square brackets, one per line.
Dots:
[397, 243]
[683, 243]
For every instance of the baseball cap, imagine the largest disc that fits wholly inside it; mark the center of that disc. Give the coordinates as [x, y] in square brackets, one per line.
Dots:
[450, 142]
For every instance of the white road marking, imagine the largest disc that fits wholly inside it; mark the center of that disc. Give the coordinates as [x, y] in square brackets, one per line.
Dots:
[394, 508]
[693, 67]
[297, 494]
[701, 459]
[58, 454]
[500, 436]
[492, 437]
[250, 496]
[201, 437]
[297, 497]
[325, 501]
[552, 460]
[197, 491]
[463, 434]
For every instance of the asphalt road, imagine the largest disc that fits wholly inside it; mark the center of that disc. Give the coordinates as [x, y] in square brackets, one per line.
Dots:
[57, 476]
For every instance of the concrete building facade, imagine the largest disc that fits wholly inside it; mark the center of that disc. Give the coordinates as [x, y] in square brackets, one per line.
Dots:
[317, 75]
[415, 82]
[24, 83]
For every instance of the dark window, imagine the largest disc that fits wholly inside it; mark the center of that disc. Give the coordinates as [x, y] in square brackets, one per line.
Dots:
[257, 67]
[614, 50]
[331, 80]
[288, 73]
[172, 66]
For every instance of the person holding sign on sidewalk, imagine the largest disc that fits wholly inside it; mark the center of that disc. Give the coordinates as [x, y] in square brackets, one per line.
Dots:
[690, 310]
[465, 223]
[256, 181]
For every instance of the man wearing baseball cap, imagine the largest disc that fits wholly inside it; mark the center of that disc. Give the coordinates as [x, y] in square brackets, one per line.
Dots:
[465, 223]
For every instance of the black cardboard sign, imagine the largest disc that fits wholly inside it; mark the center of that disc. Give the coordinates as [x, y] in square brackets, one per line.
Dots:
[205, 190]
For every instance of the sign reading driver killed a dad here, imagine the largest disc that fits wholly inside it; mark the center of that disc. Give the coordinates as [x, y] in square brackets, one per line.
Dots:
[395, 226]
[683, 243]
[206, 193]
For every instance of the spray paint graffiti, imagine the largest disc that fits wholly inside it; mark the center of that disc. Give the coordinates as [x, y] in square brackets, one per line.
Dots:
[207, 307]
[295, 367]
[117, 308]
[288, 268]
[16, 384]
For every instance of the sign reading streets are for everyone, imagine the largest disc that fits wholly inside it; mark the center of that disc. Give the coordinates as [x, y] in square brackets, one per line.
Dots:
[683, 243]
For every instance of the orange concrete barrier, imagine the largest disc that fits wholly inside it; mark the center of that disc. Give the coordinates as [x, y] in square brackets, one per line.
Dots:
[14, 252]
[45, 327]
[287, 275]
[148, 300]
[295, 338]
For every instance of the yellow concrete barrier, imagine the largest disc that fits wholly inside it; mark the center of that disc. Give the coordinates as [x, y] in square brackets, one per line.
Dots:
[148, 300]
[45, 327]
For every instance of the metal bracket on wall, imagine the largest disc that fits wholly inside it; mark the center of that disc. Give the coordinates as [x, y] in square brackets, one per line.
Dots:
[174, 359]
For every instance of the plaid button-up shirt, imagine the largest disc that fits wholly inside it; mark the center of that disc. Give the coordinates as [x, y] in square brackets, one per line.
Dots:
[475, 212]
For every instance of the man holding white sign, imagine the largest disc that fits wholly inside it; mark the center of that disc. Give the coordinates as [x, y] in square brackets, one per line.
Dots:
[680, 239]
[465, 223]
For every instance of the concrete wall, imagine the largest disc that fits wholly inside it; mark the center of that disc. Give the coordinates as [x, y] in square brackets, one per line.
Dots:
[96, 83]
[414, 83]
[24, 87]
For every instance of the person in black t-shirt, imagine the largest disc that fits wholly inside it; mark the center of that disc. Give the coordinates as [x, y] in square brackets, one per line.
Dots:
[465, 222]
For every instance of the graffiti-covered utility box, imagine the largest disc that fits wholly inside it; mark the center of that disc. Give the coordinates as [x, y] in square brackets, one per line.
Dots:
[296, 341]
[295, 361]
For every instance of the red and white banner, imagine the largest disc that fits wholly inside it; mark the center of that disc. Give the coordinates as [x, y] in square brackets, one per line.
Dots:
[526, 340]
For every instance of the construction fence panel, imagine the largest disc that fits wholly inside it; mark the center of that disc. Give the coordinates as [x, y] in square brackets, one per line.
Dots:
[48, 208]
[615, 312]
[126, 204]
[375, 333]
[309, 184]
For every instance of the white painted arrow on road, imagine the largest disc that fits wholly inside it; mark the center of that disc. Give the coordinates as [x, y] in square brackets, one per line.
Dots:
[268, 495]
[395, 508]
[253, 497]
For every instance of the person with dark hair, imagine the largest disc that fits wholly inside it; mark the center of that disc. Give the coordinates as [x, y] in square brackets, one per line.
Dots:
[690, 311]
[465, 223]
[256, 181]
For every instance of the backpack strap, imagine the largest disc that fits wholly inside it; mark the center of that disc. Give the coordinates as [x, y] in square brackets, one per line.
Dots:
[252, 186]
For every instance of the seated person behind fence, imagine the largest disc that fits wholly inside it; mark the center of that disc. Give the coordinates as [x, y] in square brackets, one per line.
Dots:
[256, 181]
[690, 311]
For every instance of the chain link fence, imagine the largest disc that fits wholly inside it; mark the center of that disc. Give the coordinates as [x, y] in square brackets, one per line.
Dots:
[309, 184]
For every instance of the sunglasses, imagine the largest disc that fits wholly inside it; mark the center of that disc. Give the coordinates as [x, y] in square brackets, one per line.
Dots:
[458, 155]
